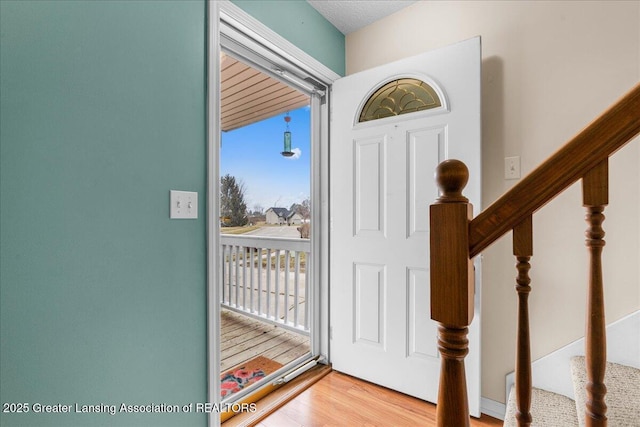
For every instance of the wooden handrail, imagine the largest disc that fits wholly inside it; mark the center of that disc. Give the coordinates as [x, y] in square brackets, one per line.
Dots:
[456, 239]
[598, 141]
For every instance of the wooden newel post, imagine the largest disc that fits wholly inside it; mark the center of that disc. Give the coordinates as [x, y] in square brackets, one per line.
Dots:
[452, 289]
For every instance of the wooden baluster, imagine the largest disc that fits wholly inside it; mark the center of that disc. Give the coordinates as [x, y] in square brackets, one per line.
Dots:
[236, 279]
[245, 250]
[277, 301]
[595, 197]
[296, 288]
[523, 250]
[307, 291]
[287, 261]
[224, 274]
[251, 276]
[452, 289]
[260, 255]
[268, 293]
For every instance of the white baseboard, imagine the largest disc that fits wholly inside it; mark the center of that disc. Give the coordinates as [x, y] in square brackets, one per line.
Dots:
[492, 408]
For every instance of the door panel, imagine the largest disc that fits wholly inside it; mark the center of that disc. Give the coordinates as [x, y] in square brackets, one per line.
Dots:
[368, 294]
[422, 331]
[369, 195]
[426, 148]
[382, 183]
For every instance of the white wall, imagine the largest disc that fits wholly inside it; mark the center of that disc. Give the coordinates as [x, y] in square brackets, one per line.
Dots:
[549, 68]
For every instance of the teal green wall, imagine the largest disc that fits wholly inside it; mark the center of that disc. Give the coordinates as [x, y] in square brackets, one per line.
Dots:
[102, 297]
[301, 24]
[102, 112]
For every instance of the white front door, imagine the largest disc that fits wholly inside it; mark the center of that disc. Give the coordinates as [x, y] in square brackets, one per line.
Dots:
[382, 183]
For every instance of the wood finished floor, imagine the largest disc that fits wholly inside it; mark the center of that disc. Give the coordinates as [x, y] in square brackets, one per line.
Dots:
[341, 400]
[243, 338]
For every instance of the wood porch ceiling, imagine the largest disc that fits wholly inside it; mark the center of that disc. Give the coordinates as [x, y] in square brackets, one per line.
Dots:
[249, 95]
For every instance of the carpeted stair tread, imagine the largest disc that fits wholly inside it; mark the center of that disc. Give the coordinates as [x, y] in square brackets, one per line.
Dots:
[547, 410]
[623, 392]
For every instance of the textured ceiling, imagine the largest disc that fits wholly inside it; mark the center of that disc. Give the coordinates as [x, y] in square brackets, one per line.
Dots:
[351, 15]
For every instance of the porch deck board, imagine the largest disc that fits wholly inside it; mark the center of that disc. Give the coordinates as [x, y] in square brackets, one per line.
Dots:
[243, 338]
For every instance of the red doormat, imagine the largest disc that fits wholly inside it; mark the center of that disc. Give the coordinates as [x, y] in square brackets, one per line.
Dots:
[246, 374]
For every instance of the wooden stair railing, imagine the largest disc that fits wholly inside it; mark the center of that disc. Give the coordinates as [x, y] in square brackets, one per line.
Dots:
[456, 239]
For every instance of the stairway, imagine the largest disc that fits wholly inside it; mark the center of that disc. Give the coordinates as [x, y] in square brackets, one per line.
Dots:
[555, 410]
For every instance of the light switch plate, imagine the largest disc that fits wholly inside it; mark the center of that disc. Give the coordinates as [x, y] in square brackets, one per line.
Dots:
[183, 204]
[512, 167]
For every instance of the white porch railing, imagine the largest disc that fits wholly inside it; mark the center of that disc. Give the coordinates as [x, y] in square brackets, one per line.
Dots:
[266, 278]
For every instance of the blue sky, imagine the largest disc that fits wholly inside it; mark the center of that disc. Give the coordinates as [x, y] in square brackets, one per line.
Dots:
[252, 155]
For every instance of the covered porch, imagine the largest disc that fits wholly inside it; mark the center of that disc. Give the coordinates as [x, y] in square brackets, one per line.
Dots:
[264, 309]
[243, 338]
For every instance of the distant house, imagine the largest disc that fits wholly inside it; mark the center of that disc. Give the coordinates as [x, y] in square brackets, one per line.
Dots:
[294, 218]
[277, 216]
[282, 216]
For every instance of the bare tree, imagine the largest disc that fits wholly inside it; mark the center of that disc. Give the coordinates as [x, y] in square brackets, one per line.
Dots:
[258, 209]
[304, 209]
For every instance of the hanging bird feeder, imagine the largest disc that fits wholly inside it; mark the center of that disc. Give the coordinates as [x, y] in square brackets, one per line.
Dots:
[287, 138]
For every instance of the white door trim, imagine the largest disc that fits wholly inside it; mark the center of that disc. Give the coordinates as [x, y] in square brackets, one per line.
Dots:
[256, 36]
[213, 208]
[259, 36]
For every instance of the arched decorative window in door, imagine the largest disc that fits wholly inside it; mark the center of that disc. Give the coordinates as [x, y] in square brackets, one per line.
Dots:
[400, 96]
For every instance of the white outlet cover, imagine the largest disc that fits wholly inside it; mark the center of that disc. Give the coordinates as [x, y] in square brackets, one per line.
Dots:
[183, 204]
